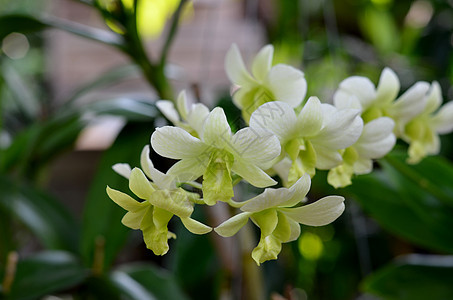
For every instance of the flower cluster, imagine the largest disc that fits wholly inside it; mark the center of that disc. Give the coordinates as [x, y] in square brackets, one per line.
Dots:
[288, 138]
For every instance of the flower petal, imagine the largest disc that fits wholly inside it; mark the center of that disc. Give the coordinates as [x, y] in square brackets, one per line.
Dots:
[262, 62]
[256, 146]
[443, 120]
[122, 169]
[139, 184]
[176, 143]
[361, 87]
[310, 119]
[159, 178]
[279, 197]
[181, 104]
[134, 219]
[123, 200]
[295, 230]
[168, 110]
[252, 174]
[377, 138]
[175, 202]
[216, 130]
[388, 87]
[345, 100]
[266, 220]
[434, 98]
[327, 158]
[196, 117]
[342, 128]
[411, 103]
[277, 117]
[235, 68]
[231, 226]
[195, 227]
[363, 166]
[319, 213]
[189, 169]
[287, 84]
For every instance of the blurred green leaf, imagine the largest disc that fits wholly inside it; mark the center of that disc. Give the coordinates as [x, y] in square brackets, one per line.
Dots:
[413, 277]
[27, 24]
[102, 217]
[405, 208]
[113, 75]
[44, 216]
[145, 281]
[46, 272]
[131, 109]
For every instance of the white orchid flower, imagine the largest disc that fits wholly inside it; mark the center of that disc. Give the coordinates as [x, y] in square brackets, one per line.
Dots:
[312, 138]
[218, 153]
[360, 92]
[277, 212]
[268, 83]
[162, 200]
[422, 132]
[376, 140]
[189, 118]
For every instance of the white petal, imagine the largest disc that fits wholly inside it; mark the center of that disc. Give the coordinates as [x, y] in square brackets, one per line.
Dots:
[216, 130]
[181, 104]
[363, 166]
[411, 103]
[342, 128]
[196, 117]
[279, 197]
[310, 119]
[195, 227]
[189, 169]
[345, 100]
[256, 146]
[377, 138]
[327, 158]
[231, 226]
[277, 117]
[168, 110]
[388, 87]
[434, 99]
[287, 84]
[361, 87]
[282, 169]
[295, 230]
[139, 184]
[252, 174]
[319, 213]
[262, 62]
[235, 68]
[122, 169]
[147, 166]
[176, 143]
[443, 120]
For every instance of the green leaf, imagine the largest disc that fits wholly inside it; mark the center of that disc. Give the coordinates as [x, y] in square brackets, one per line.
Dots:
[102, 217]
[132, 109]
[413, 277]
[404, 208]
[27, 24]
[145, 281]
[113, 75]
[19, 23]
[45, 273]
[44, 216]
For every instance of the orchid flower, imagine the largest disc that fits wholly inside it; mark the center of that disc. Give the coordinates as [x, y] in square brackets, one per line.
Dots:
[278, 213]
[359, 92]
[422, 132]
[190, 119]
[218, 153]
[162, 200]
[376, 141]
[312, 138]
[266, 83]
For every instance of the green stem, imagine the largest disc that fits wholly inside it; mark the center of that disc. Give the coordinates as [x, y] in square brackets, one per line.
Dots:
[154, 74]
[171, 33]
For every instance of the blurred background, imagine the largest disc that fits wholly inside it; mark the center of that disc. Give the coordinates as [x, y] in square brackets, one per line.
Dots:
[78, 83]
